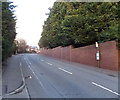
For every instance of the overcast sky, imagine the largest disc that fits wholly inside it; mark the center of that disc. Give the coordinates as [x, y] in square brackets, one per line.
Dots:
[30, 18]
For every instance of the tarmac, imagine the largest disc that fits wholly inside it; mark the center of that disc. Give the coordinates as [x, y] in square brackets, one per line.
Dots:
[12, 78]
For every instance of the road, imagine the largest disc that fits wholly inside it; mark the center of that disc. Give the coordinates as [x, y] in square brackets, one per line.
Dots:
[46, 77]
[0, 81]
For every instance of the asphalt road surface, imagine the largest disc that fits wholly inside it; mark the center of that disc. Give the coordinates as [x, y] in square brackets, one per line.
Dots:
[46, 77]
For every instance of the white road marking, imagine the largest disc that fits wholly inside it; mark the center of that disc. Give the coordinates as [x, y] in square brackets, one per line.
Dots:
[30, 63]
[20, 64]
[49, 64]
[42, 60]
[34, 72]
[21, 71]
[22, 86]
[105, 88]
[65, 70]
[30, 77]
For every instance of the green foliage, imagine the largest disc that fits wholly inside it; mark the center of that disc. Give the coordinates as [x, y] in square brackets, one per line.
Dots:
[8, 29]
[51, 36]
[80, 24]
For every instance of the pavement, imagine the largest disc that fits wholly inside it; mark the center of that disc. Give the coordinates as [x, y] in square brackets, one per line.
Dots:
[12, 78]
[47, 77]
[0, 81]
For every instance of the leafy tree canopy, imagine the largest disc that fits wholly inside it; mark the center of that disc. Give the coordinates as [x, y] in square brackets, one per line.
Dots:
[80, 24]
[8, 29]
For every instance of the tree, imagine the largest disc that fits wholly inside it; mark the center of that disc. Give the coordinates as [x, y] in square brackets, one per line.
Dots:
[80, 24]
[21, 45]
[8, 29]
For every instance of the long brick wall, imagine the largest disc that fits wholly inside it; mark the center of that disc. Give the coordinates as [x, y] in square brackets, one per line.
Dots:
[109, 55]
[87, 55]
[119, 60]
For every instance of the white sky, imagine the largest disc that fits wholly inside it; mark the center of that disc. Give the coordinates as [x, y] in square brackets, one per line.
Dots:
[30, 18]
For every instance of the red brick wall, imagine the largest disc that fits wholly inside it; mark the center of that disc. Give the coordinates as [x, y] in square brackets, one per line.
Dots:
[86, 55]
[109, 55]
[65, 53]
[119, 60]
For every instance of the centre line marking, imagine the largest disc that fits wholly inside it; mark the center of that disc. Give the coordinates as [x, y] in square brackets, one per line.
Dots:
[36, 76]
[106, 88]
[28, 63]
[49, 63]
[65, 70]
